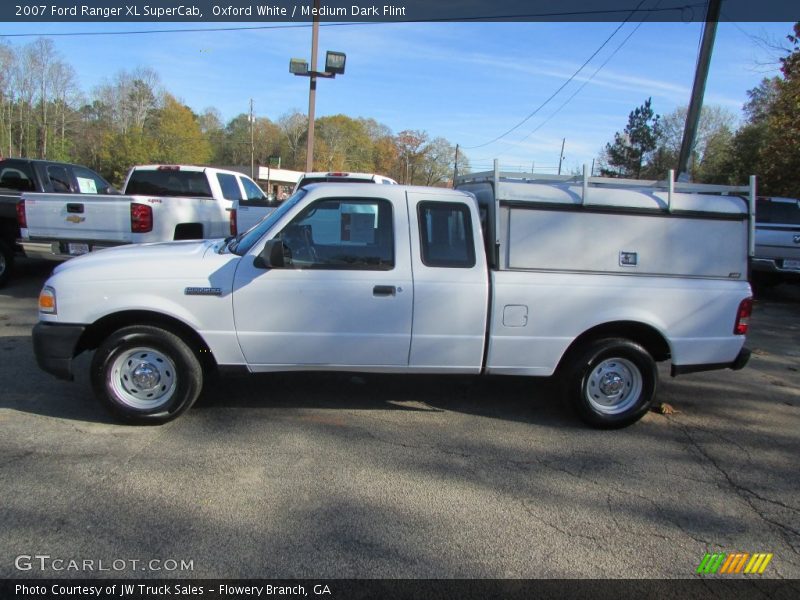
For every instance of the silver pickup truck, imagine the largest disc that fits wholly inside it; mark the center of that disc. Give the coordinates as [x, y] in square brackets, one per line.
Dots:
[777, 253]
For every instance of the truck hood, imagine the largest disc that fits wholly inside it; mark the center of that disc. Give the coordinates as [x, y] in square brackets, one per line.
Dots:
[160, 260]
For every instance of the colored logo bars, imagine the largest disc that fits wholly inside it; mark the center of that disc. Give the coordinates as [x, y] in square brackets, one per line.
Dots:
[738, 562]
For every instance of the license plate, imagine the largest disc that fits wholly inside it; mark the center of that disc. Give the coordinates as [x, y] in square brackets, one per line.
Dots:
[77, 249]
[791, 264]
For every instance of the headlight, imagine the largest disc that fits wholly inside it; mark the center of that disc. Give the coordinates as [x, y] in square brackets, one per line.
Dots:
[47, 301]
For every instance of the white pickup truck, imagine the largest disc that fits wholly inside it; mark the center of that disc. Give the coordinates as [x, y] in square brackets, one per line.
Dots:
[595, 279]
[161, 203]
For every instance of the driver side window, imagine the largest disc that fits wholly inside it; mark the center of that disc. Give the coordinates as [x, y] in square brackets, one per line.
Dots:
[341, 234]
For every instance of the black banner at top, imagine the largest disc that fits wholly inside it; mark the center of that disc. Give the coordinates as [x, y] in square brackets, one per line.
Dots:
[390, 10]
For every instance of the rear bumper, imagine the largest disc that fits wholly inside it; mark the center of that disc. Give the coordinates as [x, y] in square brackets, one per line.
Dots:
[58, 250]
[54, 347]
[775, 266]
[739, 363]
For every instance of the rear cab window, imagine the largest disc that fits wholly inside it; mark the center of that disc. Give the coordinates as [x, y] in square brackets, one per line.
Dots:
[446, 235]
[16, 176]
[778, 211]
[169, 182]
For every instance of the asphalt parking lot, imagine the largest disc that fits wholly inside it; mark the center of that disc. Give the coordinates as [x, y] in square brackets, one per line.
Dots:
[343, 476]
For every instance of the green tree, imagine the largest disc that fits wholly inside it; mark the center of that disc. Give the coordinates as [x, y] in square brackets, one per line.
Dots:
[633, 146]
[780, 158]
[747, 145]
[342, 144]
[175, 132]
[712, 146]
[294, 132]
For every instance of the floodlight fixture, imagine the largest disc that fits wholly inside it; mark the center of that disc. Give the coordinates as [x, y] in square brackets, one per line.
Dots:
[334, 62]
[298, 66]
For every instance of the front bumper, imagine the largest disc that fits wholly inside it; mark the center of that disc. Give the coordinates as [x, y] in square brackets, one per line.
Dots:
[739, 363]
[54, 347]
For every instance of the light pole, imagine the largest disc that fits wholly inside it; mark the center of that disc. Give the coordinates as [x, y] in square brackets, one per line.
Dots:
[334, 65]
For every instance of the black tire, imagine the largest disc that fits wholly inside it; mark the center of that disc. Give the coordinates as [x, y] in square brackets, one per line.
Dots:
[6, 262]
[611, 382]
[144, 374]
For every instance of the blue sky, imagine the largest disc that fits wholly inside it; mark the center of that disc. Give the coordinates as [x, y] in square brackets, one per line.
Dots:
[467, 82]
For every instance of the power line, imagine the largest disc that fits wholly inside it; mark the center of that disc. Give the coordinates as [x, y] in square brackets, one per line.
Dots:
[584, 84]
[565, 84]
[196, 30]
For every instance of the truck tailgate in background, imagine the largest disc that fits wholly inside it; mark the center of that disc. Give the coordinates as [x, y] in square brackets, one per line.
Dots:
[78, 217]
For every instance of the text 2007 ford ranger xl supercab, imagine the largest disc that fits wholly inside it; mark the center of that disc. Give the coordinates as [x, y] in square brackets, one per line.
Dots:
[594, 279]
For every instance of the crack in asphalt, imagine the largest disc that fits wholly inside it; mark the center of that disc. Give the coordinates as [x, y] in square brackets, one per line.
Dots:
[744, 492]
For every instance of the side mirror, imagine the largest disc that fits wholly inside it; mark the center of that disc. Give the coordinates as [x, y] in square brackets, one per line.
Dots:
[273, 255]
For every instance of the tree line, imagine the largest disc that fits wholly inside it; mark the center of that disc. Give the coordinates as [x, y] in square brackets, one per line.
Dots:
[767, 143]
[132, 119]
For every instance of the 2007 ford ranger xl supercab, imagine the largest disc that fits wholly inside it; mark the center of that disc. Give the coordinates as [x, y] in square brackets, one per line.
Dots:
[594, 279]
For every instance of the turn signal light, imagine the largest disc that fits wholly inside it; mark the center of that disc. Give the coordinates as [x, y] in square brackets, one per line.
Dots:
[743, 316]
[47, 301]
[233, 221]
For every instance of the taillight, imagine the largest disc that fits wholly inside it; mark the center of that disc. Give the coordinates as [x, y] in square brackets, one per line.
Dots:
[21, 218]
[743, 316]
[233, 221]
[141, 218]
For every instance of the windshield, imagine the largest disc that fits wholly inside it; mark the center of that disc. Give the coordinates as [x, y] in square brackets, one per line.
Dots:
[245, 241]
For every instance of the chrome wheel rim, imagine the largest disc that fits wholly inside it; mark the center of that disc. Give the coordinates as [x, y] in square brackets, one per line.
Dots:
[613, 386]
[143, 378]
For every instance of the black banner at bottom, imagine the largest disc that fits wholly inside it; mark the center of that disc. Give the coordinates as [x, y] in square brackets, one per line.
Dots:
[433, 589]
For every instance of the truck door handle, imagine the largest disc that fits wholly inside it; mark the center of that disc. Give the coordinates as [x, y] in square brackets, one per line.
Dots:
[384, 290]
[73, 207]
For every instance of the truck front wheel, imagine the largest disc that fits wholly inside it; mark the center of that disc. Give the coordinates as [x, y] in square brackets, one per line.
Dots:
[144, 374]
[612, 383]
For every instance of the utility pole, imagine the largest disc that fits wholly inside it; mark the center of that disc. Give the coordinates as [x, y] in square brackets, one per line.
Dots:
[455, 167]
[312, 89]
[252, 143]
[561, 156]
[699, 88]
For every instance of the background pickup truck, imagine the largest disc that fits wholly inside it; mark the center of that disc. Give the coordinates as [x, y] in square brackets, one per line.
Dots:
[594, 279]
[18, 175]
[160, 203]
[777, 254]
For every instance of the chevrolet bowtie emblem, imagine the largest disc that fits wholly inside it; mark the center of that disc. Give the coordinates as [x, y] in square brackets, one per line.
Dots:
[75, 219]
[797, 239]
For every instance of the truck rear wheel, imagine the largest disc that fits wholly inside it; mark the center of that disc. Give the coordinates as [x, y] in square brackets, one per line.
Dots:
[612, 383]
[144, 374]
[6, 262]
